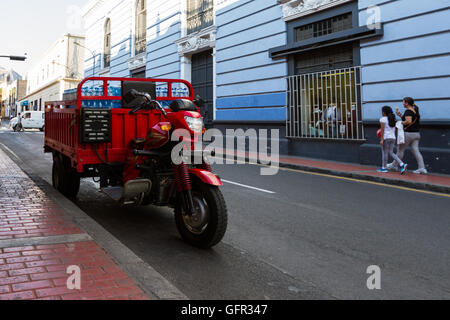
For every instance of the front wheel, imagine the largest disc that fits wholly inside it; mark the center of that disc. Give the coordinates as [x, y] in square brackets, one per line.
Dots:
[208, 225]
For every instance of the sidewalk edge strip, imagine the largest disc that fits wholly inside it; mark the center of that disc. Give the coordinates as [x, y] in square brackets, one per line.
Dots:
[352, 174]
[39, 241]
[402, 183]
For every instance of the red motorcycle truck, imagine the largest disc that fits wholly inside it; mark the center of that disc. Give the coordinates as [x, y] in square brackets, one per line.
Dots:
[118, 131]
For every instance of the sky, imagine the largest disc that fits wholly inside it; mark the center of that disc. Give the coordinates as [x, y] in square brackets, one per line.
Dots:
[32, 26]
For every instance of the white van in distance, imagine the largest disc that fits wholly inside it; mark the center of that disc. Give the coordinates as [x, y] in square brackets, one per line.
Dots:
[28, 120]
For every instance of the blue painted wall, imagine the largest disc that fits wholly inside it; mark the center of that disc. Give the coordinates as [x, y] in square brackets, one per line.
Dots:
[411, 59]
[120, 12]
[164, 27]
[250, 85]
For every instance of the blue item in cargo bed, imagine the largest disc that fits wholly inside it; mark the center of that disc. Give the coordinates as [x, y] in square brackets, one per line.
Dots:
[95, 91]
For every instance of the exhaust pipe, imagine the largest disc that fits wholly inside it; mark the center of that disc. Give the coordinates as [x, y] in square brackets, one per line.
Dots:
[135, 189]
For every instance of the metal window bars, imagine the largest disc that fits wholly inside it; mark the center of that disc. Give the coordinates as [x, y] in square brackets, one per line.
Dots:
[140, 39]
[325, 105]
[324, 27]
[106, 60]
[200, 14]
[140, 44]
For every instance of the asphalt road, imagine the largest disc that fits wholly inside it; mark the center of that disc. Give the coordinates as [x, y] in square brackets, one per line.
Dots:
[290, 236]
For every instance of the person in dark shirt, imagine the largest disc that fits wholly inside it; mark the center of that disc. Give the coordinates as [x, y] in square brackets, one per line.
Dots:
[411, 124]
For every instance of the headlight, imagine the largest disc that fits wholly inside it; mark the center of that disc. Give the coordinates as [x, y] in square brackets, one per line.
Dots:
[195, 124]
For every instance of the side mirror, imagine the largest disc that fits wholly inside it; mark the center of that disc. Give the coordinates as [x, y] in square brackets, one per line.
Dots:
[199, 102]
[133, 98]
[130, 96]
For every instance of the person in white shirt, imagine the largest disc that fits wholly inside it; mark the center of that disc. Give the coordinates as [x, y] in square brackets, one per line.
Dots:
[387, 139]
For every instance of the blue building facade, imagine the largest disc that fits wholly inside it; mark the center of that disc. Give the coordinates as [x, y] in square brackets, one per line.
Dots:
[411, 59]
[318, 70]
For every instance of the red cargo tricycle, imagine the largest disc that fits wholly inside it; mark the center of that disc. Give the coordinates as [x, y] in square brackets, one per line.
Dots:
[119, 131]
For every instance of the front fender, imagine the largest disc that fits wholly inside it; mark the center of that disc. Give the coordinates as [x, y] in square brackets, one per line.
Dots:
[206, 177]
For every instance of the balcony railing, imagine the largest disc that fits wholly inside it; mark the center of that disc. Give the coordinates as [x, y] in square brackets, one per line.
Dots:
[106, 60]
[200, 15]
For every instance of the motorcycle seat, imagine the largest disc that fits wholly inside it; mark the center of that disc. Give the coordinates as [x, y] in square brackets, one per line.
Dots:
[182, 105]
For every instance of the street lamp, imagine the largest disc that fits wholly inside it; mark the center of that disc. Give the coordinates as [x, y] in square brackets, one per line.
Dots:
[92, 53]
[15, 58]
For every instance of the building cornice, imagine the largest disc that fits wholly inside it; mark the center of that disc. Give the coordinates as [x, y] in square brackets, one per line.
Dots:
[49, 85]
[294, 9]
[92, 6]
[138, 61]
[192, 43]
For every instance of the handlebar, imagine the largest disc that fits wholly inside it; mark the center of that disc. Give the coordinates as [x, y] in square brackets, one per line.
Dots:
[149, 102]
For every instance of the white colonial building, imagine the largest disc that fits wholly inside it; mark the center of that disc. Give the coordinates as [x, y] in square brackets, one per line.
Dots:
[59, 69]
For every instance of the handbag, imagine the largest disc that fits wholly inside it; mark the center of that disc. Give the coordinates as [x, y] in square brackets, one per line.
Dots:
[415, 120]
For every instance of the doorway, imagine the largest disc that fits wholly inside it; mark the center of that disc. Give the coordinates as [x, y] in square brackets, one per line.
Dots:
[203, 81]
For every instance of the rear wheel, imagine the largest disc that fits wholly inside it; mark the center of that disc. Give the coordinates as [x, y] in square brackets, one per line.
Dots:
[207, 227]
[65, 179]
[42, 129]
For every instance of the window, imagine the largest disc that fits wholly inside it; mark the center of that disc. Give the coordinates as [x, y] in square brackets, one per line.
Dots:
[324, 87]
[324, 27]
[200, 14]
[107, 45]
[325, 105]
[138, 74]
[140, 40]
[328, 58]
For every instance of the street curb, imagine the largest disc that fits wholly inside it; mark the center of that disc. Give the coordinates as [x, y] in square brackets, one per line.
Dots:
[148, 279]
[354, 175]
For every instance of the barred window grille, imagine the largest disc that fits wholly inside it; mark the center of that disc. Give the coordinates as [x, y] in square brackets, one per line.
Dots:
[140, 41]
[324, 27]
[328, 58]
[325, 105]
[200, 14]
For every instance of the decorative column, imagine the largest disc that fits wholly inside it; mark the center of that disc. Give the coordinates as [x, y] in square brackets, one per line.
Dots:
[194, 43]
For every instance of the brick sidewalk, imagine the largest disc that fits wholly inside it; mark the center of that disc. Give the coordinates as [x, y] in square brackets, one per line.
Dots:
[38, 269]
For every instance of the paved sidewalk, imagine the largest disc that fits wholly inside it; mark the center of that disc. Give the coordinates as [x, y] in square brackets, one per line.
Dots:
[431, 182]
[38, 242]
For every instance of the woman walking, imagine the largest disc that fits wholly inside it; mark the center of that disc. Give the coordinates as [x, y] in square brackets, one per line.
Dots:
[411, 124]
[387, 136]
